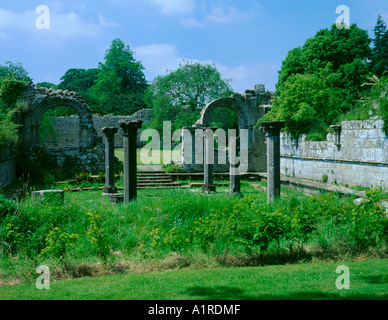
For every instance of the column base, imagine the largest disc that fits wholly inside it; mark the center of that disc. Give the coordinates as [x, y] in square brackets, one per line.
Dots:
[208, 188]
[107, 191]
[116, 198]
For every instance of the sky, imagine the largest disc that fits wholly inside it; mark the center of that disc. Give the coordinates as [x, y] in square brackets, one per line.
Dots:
[246, 40]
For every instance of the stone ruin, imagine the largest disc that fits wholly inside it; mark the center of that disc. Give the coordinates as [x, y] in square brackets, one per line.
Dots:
[89, 154]
[248, 108]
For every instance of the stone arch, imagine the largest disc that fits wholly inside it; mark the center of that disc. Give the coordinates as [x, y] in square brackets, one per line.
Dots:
[41, 99]
[248, 111]
[246, 115]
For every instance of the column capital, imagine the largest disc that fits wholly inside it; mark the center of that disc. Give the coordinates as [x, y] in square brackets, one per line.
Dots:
[273, 128]
[128, 125]
[336, 128]
[109, 132]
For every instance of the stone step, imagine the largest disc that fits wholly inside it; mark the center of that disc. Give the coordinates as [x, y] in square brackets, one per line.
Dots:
[166, 184]
[155, 181]
[154, 176]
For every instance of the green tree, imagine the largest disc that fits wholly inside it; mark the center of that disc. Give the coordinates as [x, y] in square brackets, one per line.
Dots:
[291, 65]
[336, 61]
[380, 48]
[47, 85]
[79, 80]
[180, 95]
[306, 102]
[120, 79]
[14, 71]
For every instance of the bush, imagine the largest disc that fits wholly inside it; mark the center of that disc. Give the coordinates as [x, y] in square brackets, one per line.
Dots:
[8, 130]
[6, 206]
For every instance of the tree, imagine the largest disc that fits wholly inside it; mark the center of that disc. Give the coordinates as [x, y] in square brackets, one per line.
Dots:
[47, 85]
[14, 71]
[336, 61]
[120, 78]
[291, 65]
[380, 48]
[180, 95]
[79, 80]
[306, 102]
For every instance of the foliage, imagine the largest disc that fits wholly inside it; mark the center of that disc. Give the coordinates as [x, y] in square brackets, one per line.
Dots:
[48, 131]
[172, 168]
[120, 81]
[14, 71]
[322, 80]
[180, 95]
[10, 91]
[378, 99]
[47, 85]
[8, 130]
[79, 80]
[306, 101]
[57, 244]
[380, 48]
[6, 206]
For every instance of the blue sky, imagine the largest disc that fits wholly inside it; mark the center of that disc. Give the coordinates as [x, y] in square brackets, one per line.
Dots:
[247, 40]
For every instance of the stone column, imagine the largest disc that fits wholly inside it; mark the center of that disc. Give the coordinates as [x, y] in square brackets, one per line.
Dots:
[109, 160]
[209, 186]
[337, 134]
[130, 128]
[235, 179]
[272, 130]
[188, 148]
[35, 135]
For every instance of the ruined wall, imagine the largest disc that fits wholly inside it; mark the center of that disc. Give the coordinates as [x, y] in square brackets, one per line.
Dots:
[7, 167]
[67, 129]
[361, 158]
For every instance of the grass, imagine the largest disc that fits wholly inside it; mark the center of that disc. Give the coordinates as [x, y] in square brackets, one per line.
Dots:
[368, 280]
[152, 158]
[186, 231]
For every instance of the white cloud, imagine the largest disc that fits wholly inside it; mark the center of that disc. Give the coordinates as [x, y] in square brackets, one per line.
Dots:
[220, 15]
[105, 23]
[157, 58]
[175, 6]
[192, 23]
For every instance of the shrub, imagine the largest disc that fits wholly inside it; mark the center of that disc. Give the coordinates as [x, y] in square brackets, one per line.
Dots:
[8, 130]
[6, 206]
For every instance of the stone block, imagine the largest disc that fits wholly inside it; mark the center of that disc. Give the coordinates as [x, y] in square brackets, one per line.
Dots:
[50, 195]
[116, 198]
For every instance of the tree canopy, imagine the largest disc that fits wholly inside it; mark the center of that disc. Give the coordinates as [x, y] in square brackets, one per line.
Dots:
[180, 95]
[323, 79]
[380, 48]
[120, 82]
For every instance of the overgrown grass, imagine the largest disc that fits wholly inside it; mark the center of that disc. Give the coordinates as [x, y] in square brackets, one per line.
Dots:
[167, 229]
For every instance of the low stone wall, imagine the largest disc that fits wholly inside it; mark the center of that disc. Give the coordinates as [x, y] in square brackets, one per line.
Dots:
[7, 168]
[67, 129]
[358, 158]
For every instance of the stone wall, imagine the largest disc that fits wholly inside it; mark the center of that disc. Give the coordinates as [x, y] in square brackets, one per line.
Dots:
[67, 129]
[359, 158]
[7, 168]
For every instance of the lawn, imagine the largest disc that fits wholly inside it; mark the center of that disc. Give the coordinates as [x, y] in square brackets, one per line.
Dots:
[368, 280]
[153, 157]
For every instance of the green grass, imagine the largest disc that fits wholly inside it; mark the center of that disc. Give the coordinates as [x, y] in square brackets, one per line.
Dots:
[155, 157]
[180, 229]
[368, 280]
